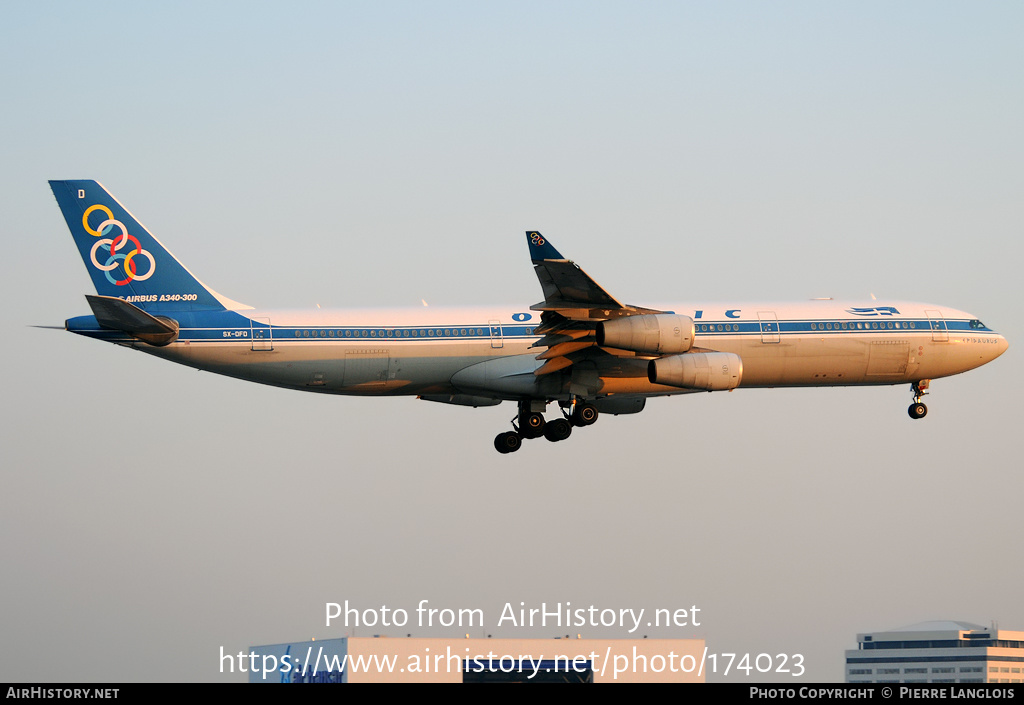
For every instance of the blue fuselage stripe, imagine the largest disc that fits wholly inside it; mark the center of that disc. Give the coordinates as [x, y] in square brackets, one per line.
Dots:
[238, 327]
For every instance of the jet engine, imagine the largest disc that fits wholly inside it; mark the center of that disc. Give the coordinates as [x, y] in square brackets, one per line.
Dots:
[713, 371]
[650, 333]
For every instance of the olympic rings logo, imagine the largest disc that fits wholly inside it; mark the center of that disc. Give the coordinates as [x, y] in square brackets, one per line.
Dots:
[536, 239]
[116, 259]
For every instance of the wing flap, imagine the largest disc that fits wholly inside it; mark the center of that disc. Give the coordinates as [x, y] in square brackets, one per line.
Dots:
[554, 365]
[562, 349]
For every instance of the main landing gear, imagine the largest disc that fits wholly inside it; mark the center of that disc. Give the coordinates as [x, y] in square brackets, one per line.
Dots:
[917, 410]
[531, 424]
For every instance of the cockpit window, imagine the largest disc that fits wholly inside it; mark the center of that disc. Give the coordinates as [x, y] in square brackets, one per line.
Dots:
[977, 325]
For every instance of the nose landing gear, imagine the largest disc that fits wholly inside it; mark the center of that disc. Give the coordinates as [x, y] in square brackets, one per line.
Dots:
[918, 410]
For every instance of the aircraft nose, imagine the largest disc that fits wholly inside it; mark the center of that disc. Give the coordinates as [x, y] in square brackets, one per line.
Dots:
[1001, 346]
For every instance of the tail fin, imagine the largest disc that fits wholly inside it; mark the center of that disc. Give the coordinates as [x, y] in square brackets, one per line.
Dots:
[124, 260]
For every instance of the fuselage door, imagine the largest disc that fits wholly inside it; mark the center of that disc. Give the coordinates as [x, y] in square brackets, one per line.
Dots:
[940, 334]
[496, 341]
[769, 326]
[262, 335]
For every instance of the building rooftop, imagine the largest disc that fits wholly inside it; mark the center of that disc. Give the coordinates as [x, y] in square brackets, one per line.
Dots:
[939, 626]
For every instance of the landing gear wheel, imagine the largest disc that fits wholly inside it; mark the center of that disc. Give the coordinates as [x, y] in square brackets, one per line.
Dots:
[531, 425]
[508, 442]
[919, 388]
[557, 430]
[584, 415]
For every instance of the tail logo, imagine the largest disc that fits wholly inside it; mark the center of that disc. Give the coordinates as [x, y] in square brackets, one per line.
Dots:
[536, 239]
[116, 260]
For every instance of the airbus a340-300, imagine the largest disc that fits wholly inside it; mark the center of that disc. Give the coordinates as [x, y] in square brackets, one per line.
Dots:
[579, 349]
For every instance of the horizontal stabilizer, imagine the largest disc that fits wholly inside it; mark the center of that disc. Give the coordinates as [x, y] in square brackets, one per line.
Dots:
[118, 314]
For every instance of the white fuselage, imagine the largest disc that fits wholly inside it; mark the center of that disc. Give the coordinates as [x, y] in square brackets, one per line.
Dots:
[432, 351]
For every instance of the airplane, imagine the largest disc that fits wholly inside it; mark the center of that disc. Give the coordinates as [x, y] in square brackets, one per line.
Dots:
[580, 348]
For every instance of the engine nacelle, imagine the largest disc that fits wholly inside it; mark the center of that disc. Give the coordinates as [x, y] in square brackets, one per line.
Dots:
[714, 371]
[651, 333]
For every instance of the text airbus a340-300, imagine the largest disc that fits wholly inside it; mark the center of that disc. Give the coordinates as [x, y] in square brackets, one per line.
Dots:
[580, 349]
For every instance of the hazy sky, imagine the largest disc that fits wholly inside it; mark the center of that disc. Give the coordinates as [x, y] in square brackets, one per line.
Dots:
[365, 154]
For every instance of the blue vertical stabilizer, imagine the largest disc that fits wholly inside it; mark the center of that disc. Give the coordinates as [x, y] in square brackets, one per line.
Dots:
[124, 260]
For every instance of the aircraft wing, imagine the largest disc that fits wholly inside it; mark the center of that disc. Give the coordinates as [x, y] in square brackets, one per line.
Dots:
[565, 285]
[573, 305]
